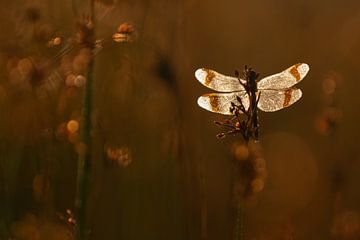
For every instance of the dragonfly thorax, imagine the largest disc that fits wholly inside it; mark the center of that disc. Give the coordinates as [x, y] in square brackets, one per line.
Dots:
[251, 79]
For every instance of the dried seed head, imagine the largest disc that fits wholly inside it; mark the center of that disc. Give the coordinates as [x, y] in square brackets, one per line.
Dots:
[218, 123]
[56, 41]
[221, 135]
[125, 33]
[121, 37]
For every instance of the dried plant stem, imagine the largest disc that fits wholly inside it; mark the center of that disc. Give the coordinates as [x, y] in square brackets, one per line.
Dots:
[84, 160]
[239, 225]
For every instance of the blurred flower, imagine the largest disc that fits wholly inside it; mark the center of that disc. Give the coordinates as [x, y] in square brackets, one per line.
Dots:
[257, 185]
[125, 33]
[79, 81]
[72, 126]
[121, 156]
[125, 28]
[56, 41]
[68, 130]
[241, 151]
[251, 169]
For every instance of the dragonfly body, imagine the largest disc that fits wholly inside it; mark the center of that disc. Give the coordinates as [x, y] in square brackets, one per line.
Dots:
[253, 97]
[269, 94]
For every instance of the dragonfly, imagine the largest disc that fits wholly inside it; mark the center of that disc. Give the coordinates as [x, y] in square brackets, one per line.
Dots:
[268, 94]
[275, 92]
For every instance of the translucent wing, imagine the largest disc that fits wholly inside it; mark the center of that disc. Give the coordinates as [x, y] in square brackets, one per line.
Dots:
[217, 81]
[221, 102]
[274, 100]
[286, 78]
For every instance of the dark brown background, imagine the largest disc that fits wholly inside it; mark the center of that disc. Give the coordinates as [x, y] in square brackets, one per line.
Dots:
[179, 183]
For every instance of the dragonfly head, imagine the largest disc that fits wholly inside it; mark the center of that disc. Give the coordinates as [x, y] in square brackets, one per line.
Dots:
[251, 78]
[250, 74]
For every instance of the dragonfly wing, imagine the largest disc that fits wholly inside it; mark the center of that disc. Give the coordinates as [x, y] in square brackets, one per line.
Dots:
[221, 102]
[286, 78]
[274, 100]
[218, 81]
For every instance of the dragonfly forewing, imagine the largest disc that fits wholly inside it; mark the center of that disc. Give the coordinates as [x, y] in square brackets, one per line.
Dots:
[217, 81]
[286, 78]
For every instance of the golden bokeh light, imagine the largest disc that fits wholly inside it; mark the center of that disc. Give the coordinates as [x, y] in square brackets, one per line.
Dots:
[257, 185]
[72, 126]
[79, 81]
[70, 80]
[25, 66]
[241, 151]
[122, 155]
[56, 41]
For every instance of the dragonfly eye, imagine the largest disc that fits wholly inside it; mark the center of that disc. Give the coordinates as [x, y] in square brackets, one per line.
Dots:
[252, 74]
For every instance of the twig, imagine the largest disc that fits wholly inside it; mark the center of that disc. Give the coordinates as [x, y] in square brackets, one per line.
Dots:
[239, 226]
[244, 121]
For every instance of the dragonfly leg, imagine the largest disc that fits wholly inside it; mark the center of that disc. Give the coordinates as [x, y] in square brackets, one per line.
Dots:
[258, 98]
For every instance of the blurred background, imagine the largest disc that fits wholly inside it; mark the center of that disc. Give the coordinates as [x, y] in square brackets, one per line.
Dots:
[158, 170]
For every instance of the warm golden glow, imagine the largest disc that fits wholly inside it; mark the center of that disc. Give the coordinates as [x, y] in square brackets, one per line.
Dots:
[79, 81]
[241, 152]
[72, 126]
